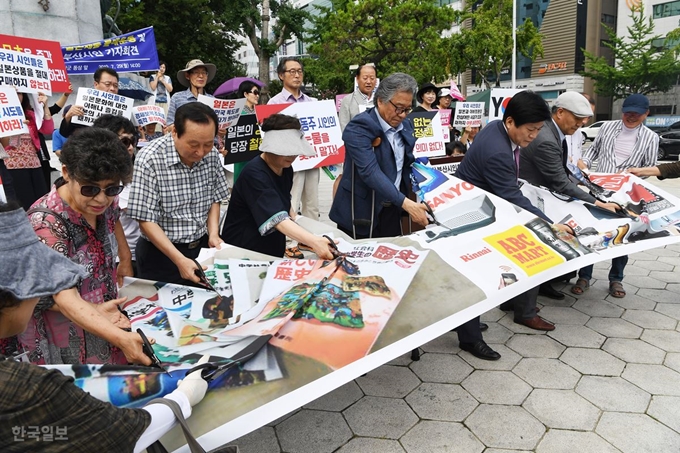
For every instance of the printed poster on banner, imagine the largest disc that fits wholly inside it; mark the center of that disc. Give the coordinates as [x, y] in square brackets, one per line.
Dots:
[27, 73]
[321, 127]
[97, 103]
[428, 132]
[11, 114]
[468, 114]
[131, 52]
[148, 114]
[445, 115]
[50, 50]
[498, 101]
[242, 140]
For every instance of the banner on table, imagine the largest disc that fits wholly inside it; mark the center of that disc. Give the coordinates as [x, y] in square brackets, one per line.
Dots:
[27, 73]
[445, 115]
[242, 140]
[96, 103]
[12, 119]
[321, 127]
[228, 110]
[498, 101]
[148, 114]
[50, 50]
[427, 130]
[131, 52]
[468, 114]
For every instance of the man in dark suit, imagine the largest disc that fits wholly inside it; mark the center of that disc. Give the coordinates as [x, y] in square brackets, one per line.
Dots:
[372, 192]
[378, 156]
[492, 164]
[544, 161]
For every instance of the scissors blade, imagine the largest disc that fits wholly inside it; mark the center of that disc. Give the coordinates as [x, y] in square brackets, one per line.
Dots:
[149, 352]
[200, 273]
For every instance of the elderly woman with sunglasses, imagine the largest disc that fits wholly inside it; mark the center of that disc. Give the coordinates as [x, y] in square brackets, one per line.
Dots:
[79, 218]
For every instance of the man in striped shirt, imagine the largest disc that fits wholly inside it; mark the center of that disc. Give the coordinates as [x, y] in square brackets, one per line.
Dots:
[620, 145]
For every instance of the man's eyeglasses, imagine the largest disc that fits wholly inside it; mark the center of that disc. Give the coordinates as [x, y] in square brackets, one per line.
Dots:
[295, 72]
[109, 84]
[199, 73]
[255, 92]
[93, 191]
[400, 110]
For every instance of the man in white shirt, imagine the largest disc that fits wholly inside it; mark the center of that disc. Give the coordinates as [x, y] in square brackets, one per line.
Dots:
[620, 145]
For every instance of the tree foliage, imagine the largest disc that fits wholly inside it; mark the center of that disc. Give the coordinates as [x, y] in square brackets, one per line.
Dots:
[187, 29]
[486, 46]
[395, 35]
[640, 65]
[253, 19]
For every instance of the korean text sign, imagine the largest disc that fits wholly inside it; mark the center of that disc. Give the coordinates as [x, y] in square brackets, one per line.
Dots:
[50, 50]
[242, 140]
[321, 127]
[427, 129]
[132, 52]
[11, 115]
[468, 114]
[227, 110]
[96, 103]
[28, 73]
[148, 114]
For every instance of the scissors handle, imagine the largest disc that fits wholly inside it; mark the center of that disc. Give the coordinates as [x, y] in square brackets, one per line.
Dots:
[147, 349]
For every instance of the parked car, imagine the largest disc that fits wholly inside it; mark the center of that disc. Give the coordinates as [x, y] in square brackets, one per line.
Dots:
[669, 144]
[590, 132]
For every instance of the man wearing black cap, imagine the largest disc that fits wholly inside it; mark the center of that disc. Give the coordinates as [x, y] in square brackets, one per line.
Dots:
[620, 145]
[544, 161]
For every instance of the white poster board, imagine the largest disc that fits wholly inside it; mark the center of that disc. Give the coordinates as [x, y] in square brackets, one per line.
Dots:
[96, 103]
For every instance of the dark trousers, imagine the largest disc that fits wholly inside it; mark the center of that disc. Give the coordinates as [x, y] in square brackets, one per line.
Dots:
[615, 273]
[152, 264]
[7, 186]
[524, 304]
[386, 225]
[469, 332]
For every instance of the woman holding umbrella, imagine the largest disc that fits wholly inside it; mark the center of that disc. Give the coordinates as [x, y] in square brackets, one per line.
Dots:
[195, 76]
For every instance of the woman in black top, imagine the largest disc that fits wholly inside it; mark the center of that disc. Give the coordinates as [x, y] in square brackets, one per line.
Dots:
[259, 216]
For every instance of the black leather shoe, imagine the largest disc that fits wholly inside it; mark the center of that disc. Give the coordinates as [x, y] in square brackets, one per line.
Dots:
[481, 350]
[547, 290]
[483, 326]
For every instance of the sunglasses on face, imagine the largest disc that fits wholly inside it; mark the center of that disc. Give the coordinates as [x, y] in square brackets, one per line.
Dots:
[93, 191]
[255, 92]
[128, 141]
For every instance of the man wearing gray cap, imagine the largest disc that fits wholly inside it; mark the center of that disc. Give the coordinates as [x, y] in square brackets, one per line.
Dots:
[620, 145]
[544, 161]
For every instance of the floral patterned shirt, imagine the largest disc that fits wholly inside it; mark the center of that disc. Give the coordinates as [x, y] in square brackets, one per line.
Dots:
[51, 338]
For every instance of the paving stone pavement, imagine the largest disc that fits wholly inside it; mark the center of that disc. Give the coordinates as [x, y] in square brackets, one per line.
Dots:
[606, 380]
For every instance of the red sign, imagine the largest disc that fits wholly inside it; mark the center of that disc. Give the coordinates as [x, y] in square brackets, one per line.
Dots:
[51, 50]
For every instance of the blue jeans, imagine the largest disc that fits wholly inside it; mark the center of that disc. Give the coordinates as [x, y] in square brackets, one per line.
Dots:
[615, 273]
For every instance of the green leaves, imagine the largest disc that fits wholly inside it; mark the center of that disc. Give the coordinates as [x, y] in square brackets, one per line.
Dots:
[640, 65]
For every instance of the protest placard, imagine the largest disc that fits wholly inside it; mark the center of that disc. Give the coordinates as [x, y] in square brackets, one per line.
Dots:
[499, 100]
[321, 127]
[147, 114]
[468, 114]
[51, 50]
[96, 103]
[428, 132]
[11, 114]
[131, 52]
[242, 140]
[27, 73]
[227, 110]
[445, 115]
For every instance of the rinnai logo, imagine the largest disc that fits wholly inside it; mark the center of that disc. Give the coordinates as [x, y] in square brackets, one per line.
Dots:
[552, 67]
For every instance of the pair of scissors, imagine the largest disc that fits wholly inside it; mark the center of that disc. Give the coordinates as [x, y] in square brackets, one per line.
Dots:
[348, 266]
[211, 370]
[433, 219]
[200, 273]
[148, 351]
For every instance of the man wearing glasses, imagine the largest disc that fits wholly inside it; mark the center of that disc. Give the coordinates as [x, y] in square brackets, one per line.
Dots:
[305, 191]
[378, 156]
[620, 145]
[195, 76]
[105, 79]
